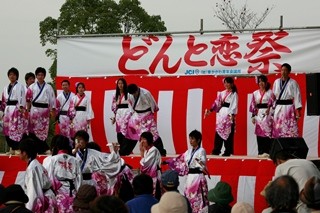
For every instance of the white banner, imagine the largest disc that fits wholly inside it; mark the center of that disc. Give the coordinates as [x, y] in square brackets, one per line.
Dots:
[208, 54]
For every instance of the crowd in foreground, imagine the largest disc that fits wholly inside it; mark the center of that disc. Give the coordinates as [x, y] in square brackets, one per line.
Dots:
[84, 179]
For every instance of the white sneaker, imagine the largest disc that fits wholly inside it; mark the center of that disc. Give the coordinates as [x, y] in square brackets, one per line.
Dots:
[264, 155]
[11, 152]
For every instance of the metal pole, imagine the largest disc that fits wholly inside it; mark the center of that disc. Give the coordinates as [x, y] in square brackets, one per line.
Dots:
[201, 26]
[281, 22]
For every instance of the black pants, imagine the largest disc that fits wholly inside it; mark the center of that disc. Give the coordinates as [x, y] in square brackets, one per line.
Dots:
[41, 146]
[264, 144]
[228, 144]
[14, 145]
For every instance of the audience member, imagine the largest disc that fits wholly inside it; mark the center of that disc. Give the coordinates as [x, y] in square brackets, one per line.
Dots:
[222, 196]
[283, 194]
[108, 204]
[14, 199]
[300, 169]
[310, 194]
[242, 207]
[143, 189]
[171, 202]
[170, 182]
[84, 196]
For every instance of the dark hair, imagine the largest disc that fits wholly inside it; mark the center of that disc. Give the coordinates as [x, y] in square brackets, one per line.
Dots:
[148, 136]
[28, 146]
[197, 135]
[310, 195]
[82, 134]
[108, 204]
[78, 84]
[283, 193]
[288, 66]
[282, 155]
[132, 88]
[264, 79]
[230, 81]
[125, 88]
[93, 145]
[29, 75]
[41, 70]
[14, 71]
[63, 143]
[142, 184]
[65, 81]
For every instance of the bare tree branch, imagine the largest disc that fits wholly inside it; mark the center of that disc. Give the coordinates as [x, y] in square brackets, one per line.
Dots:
[239, 19]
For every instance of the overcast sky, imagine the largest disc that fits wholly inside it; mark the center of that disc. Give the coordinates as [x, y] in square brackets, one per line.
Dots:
[19, 21]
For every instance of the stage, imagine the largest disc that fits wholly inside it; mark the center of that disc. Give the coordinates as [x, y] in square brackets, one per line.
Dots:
[246, 175]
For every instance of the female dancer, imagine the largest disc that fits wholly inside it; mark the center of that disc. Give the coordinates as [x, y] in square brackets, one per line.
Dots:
[83, 110]
[262, 100]
[122, 111]
[226, 106]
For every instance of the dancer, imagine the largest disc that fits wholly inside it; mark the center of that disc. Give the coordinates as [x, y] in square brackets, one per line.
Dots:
[193, 164]
[37, 184]
[64, 173]
[261, 102]
[97, 168]
[287, 106]
[83, 110]
[65, 112]
[40, 103]
[226, 106]
[13, 107]
[150, 162]
[122, 112]
[142, 119]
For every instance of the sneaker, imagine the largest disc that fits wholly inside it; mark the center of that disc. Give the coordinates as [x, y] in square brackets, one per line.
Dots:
[225, 155]
[17, 152]
[264, 155]
[11, 152]
[48, 152]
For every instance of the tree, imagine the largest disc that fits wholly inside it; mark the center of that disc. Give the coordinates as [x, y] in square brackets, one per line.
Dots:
[82, 17]
[239, 19]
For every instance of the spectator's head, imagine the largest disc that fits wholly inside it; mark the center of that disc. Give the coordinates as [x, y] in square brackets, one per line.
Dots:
[171, 202]
[195, 138]
[142, 184]
[93, 145]
[221, 194]
[84, 196]
[281, 156]
[29, 78]
[13, 74]
[132, 89]
[310, 194]
[283, 193]
[27, 149]
[108, 204]
[81, 137]
[170, 180]
[146, 137]
[242, 207]
[15, 193]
